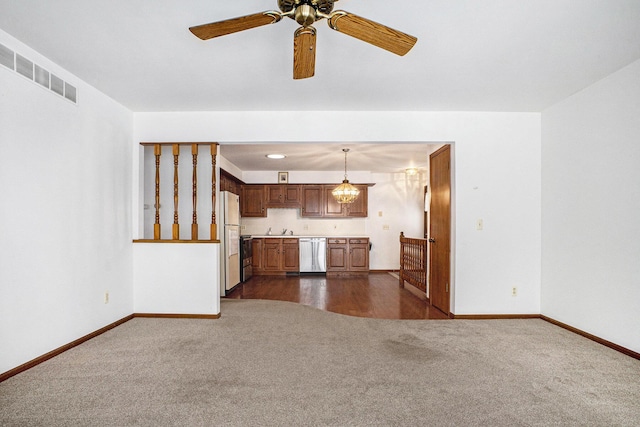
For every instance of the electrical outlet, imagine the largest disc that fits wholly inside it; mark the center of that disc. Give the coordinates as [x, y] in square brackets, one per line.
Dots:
[305, 227]
[106, 297]
[514, 292]
[243, 227]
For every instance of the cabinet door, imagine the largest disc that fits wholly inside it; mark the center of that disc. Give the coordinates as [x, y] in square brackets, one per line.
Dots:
[358, 255]
[253, 201]
[360, 207]
[331, 207]
[291, 195]
[312, 201]
[337, 255]
[282, 195]
[271, 254]
[290, 255]
[273, 195]
[257, 249]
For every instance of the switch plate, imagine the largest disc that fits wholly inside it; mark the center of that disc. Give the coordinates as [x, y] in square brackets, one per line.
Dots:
[479, 224]
[379, 213]
[385, 227]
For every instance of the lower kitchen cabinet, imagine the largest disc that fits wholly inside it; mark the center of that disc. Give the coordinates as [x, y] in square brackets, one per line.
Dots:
[275, 256]
[347, 256]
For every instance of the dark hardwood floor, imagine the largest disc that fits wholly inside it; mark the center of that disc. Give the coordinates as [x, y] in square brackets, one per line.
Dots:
[376, 296]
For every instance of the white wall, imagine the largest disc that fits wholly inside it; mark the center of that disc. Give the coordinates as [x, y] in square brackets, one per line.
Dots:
[590, 205]
[496, 177]
[65, 216]
[176, 278]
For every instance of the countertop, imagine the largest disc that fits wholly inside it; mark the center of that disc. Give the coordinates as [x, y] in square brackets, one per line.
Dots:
[295, 236]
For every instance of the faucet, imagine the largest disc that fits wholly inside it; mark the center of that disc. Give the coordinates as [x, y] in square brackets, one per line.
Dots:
[284, 231]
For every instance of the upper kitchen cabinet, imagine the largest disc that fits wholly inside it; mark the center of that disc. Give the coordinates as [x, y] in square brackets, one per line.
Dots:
[283, 195]
[229, 182]
[359, 208]
[253, 201]
[312, 201]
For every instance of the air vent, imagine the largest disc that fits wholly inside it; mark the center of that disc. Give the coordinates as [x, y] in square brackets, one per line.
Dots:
[70, 92]
[7, 57]
[24, 66]
[57, 85]
[37, 74]
[41, 76]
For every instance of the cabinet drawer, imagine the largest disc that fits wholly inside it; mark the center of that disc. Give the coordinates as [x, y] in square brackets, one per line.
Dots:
[358, 241]
[337, 241]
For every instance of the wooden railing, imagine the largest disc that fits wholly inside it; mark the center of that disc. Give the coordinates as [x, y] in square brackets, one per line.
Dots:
[413, 262]
[175, 151]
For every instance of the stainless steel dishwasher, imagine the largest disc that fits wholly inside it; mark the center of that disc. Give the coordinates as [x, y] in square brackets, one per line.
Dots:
[313, 254]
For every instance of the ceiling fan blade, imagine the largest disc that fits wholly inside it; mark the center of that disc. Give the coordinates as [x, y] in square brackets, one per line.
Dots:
[229, 26]
[371, 32]
[304, 53]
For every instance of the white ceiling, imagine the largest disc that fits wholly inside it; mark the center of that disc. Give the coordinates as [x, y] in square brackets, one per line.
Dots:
[488, 55]
[372, 157]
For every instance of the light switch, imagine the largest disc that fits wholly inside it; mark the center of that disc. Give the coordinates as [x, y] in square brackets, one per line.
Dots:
[379, 213]
[479, 224]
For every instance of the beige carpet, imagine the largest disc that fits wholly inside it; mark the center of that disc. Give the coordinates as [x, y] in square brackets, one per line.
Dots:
[270, 363]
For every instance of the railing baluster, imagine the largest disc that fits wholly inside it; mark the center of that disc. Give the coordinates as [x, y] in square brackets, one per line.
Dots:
[194, 192]
[413, 262]
[157, 152]
[176, 224]
[214, 227]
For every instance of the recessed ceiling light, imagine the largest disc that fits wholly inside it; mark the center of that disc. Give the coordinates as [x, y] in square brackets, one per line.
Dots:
[275, 156]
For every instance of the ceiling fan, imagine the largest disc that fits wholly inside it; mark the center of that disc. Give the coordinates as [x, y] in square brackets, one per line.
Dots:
[305, 13]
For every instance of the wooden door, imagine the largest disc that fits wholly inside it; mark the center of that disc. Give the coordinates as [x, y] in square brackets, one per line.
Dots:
[290, 255]
[271, 254]
[440, 228]
[256, 249]
[358, 255]
[312, 200]
[252, 202]
[360, 207]
[331, 207]
[337, 255]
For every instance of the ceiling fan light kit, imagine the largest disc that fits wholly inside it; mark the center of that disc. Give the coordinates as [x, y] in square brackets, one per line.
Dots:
[306, 13]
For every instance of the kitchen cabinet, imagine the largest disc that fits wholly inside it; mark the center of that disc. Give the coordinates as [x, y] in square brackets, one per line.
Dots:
[347, 256]
[252, 201]
[312, 201]
[359, 208]
[283, 196]
[256, 260]
[275, 256]
[337, 254]
[290, 255]
[229, 182]
[359, 255]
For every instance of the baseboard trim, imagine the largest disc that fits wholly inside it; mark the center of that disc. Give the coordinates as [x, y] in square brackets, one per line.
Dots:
[53, 353]
[492, 316]
[176, 316]
[592, 337]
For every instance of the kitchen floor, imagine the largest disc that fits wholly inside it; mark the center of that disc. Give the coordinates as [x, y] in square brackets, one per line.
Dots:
[375, 296]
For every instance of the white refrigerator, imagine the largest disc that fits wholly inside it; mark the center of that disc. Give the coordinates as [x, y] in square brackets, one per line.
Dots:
[229, 241]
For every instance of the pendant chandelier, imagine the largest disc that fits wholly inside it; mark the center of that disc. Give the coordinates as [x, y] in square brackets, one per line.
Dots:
[345, 192]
